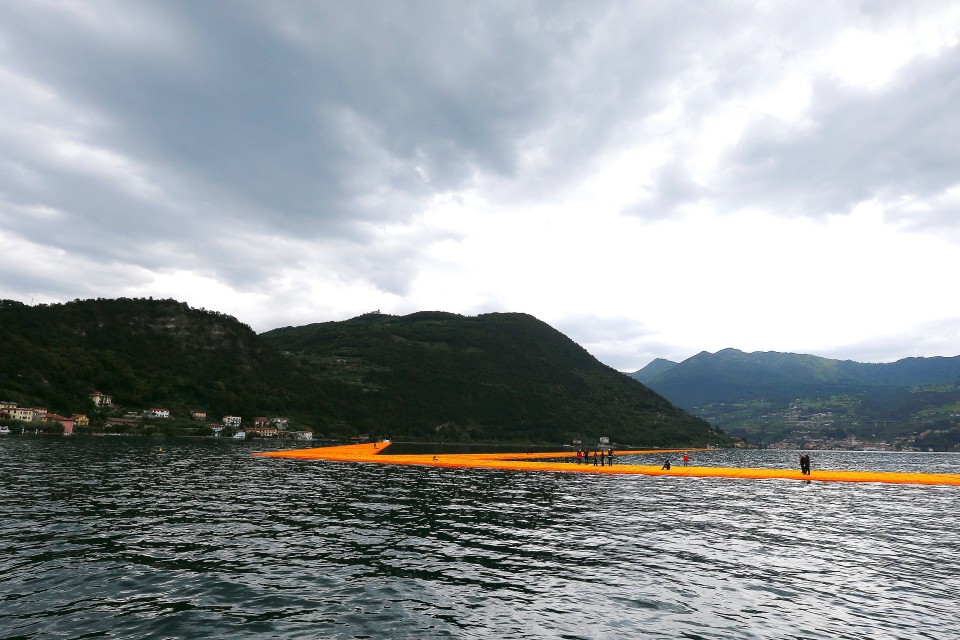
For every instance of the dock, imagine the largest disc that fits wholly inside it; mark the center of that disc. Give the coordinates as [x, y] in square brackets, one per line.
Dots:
[557, 462]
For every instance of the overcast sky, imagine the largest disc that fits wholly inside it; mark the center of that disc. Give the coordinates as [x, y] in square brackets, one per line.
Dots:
[653, 179]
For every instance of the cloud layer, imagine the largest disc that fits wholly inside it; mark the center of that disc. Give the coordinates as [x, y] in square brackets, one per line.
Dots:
[629, 173]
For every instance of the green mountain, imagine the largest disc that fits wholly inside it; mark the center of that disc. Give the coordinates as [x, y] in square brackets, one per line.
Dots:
[769, 396]
[144, 353]
[503, 376]
[430, 376]
[654, 369]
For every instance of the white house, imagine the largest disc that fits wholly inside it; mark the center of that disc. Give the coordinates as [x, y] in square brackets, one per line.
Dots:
[101, 400]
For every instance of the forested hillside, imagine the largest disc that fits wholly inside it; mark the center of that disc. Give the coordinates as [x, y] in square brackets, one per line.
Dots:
[774, 397]
[505, 376]
[430, 376]
[143, 353]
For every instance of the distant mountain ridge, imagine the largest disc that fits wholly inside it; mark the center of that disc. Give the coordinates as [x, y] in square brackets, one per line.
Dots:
[911, 393]
[652, 370]
[730, 375]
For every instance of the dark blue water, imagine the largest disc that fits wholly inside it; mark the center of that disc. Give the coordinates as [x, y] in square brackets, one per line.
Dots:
[112, 537]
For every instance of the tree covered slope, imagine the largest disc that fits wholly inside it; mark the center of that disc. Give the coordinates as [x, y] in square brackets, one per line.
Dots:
[771, 397]
[493, 376]
[431, 376]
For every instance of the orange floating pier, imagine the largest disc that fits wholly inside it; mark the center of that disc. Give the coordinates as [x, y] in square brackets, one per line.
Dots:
[371, 453]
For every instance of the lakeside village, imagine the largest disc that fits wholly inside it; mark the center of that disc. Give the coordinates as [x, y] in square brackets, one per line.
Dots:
[823, 430]
[14, 418]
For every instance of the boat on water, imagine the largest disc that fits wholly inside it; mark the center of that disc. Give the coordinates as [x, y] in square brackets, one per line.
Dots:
[4, 429]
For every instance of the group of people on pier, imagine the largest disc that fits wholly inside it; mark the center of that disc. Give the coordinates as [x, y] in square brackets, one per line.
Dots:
[583, 457]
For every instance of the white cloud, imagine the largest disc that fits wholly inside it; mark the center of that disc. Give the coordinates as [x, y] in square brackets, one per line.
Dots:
[870, 55]
[651, 180]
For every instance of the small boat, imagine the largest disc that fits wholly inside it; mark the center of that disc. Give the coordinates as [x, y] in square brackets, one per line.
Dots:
[4, 429]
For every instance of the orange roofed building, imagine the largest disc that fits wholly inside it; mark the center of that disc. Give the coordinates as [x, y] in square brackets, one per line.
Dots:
[63, 420]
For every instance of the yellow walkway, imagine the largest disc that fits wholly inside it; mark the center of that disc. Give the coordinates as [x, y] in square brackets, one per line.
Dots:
[528, 462]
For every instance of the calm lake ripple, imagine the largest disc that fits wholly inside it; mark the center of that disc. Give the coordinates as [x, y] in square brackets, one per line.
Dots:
[131, 538]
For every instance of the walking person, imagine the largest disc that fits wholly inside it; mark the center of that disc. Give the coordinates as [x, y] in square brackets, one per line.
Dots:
[594, 458]
[686, 459]
[610, 457]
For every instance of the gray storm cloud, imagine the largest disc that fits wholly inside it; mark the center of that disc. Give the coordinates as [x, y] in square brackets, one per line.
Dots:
[244, 140]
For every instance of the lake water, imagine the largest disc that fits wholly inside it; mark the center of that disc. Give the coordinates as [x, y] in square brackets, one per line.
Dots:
[116, 538]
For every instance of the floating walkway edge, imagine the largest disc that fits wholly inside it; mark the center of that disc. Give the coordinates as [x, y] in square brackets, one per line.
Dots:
[371, 453]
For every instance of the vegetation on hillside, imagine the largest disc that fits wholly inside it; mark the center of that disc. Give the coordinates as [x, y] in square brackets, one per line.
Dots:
[770, 397]
[430, 376]
[499, 376]
[144, 353]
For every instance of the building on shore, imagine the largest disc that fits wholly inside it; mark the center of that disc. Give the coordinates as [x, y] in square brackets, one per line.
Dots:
[101, 399]
[66, 422]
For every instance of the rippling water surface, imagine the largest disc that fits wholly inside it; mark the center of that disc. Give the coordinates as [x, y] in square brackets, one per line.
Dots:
[114, 537]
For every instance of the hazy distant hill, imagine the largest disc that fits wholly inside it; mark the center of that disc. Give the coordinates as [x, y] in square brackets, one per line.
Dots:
[730, 375]
[436, 376]
[654, 369]
[901, 397]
